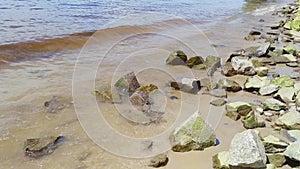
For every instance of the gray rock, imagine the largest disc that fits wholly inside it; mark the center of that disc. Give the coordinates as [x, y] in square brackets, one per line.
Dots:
[38, 147]
[243, 65]
[128, 83]
[159, 161]
[218, 93]
[286, 94]
[177, 58]
[274, 104]
[194, 134]
[295, 134]
[220, 160]
[256, 82]
[292, 64]
[218, 102]
[262, 50]
[290, 121]
[229, 85]
[293, 151]
[268, 89]
[246, 150]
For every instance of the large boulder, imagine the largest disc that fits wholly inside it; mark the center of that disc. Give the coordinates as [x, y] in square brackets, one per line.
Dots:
[243, 65]
[247, 151]
[177, 58]
[194, 134]
[220, 160]
[290, 121]
[127, 83]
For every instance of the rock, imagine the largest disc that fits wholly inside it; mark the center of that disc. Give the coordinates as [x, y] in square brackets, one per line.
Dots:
[290, 50]
[246, 150]
[251, 121]
[241, 108]
[257, 63]
[212, 61]
[208, 84]
[283, 81]
[268, 89]
[254, 32]
[290, 121]
[194, 134]
[290, 57]
[159, 161]
[256, 82]
[189, 85]
[261, 71]
[218, 93]
[274, 145]
[104, 93]
[196, 60]
[277, 159]
[262, 50]
[56, 104]
[139, 98]
[292, 64]
[38, 147]
[271, 166]
[199, 67]
[128, 83]
[273, 104]
[293, 151]
[294, 134]
[286, 94]
[218, 102]
[228, 70]
[250, 38]
[243, 65]
[147, 89]
[177, 58]
[220, 160]
[229, 85]
[297, 99]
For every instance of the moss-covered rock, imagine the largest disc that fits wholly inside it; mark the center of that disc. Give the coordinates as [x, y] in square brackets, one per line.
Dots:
[177, 58]
[220, 160]
[283, 81]
[196, 60]
[277, 159]
[241, 108]
[290, 121]
[251, 121]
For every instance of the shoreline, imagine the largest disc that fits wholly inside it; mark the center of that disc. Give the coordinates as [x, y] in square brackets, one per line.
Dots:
[45, 78]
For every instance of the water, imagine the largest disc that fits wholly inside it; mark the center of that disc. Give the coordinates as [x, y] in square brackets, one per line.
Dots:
[22, 20]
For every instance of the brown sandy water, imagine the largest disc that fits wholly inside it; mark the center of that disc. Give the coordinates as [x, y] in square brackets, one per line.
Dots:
[27, 85]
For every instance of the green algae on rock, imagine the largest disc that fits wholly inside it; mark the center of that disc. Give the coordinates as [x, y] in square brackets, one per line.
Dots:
[283, 81]
[220, 160]
[274, 144]
[290, 121]
[196, 60]
[177, 58]
[194, 134]
[218, 102]
[277, 159]
[251, 121]
[273, 104]
[242, 108]
[147, 89]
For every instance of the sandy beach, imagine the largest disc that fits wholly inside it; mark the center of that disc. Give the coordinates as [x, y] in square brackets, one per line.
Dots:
[77, 68]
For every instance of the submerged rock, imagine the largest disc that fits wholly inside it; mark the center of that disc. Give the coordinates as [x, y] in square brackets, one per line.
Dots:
[283, 81]
[273, 104]
[220, 160]
[246, 150]
[251, 121]
[290, 121]
[277, 159]
[229, 85]
[240, 108]
[128, 83]
[274, 145]
[218, 102]
[268, 89]
[177, 58]
[196, 60]
[159, 161]
[293, 151]
[194, 134]
[38, 147]
[243, 65]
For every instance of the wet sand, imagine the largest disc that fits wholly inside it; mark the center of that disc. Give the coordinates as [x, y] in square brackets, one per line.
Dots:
[27, 85]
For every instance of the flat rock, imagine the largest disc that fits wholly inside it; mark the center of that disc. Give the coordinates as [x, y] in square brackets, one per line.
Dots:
[293, 151]
[38, 147]
[177, 58]
[256, 82]
[277, 159]
[283, 81]
[247, 150]
[274, 144]
[286, 94]
[220, 160]
[268, 89]
[218, 102]
[262, 50]
[274, 104]
[194, 134]
[218, 93]
[290, 121]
